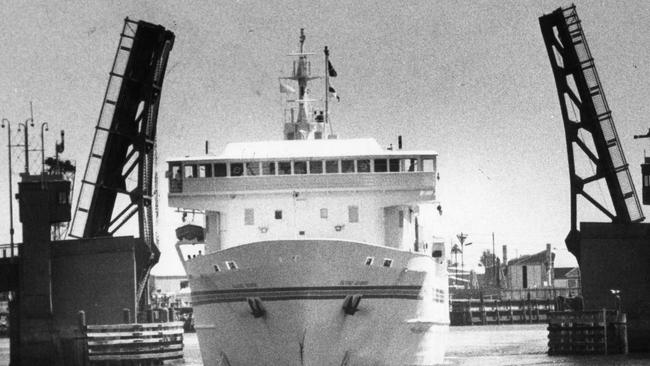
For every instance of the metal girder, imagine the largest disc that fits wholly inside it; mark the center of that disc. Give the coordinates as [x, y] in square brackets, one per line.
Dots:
[576, 79]
[121, 158]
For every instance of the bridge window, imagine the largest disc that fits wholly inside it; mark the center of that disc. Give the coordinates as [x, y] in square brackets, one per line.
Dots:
[428, 165]
[316, 167]
[175, 171]
[278, 214]
[190, 171]
[268, 168]
[363, 166]
[388, 262]
[381, 165]
[205, 170]
[231, 265]
[353, 213]
[220, 170]
[331, 166]
[369, 261]
[299, 167]
[400, 218]
[393, 165]
[252, 168]
[236, 169]
[347, 166]
[408, 165]
[284, 167]
[249, 216]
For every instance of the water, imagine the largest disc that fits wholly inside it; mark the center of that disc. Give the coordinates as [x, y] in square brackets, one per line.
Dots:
[503, 345]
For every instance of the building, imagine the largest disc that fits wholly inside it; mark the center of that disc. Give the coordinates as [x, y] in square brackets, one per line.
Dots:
[531, 271]
[169, 290]
[567, 277]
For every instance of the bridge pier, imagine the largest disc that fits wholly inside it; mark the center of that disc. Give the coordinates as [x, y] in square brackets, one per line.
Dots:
[617, 256]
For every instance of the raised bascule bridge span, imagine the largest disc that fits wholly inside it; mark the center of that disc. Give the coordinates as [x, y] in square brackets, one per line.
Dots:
[98, 273]
[613, 256]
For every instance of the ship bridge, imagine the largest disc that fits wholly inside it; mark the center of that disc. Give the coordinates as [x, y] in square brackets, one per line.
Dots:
[301, 165]
[300, 189]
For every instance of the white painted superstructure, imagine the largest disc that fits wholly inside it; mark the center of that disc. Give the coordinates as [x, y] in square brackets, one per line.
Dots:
[318, 251]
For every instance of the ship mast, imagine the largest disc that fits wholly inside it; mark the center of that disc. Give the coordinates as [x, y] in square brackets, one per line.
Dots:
[308, 123]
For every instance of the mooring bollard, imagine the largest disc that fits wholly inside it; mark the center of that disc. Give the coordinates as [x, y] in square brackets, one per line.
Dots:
[126, 315]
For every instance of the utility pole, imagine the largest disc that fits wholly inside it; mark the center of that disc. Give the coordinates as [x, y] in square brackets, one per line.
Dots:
[461, 238]
[494, 263]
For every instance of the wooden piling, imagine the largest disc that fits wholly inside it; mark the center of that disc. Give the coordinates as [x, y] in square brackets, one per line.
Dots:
[482, 309]
[82, 320]
[126, 315]
[498, 305]
[512, 316]
[621, 332]
[469, 310]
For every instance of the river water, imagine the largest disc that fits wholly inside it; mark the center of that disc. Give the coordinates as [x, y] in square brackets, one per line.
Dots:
[502, 345]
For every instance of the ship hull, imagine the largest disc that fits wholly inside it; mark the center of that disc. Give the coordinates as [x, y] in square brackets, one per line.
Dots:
[319, 302]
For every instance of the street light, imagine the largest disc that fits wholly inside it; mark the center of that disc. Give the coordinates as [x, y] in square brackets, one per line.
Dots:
[11, 203]
[44, 124]
[25, 126]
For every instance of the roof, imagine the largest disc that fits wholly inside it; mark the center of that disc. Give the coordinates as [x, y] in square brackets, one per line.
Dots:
[536, 258]
[288, 149]
[573, 273]
[561, 272]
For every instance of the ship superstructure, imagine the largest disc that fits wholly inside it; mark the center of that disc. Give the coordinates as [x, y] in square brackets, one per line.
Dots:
[318, 250]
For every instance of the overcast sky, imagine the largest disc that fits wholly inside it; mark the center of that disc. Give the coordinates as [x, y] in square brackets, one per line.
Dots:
[470, 80]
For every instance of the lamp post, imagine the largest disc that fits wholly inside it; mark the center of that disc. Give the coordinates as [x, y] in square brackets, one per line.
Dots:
[43, 125]
[25, 126]
[11, 203]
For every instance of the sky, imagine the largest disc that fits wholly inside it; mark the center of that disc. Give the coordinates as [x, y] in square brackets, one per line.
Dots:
[468, 79]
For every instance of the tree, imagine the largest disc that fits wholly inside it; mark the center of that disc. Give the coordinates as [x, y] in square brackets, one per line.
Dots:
[487, 258]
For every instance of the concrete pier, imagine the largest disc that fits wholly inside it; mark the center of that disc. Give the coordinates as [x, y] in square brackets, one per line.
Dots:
[58, 279]
[617, 256]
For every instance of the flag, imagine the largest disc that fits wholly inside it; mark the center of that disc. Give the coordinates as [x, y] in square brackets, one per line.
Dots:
[284, 88]
[333, 94]
[330, 69]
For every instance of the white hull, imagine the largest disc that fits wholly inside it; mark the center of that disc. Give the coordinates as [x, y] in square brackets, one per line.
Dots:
[402, 318]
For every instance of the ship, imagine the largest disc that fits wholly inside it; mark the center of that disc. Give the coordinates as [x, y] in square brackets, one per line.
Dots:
[314, 250]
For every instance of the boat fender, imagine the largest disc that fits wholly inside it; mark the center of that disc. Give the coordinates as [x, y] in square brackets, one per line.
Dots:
[351, 304]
